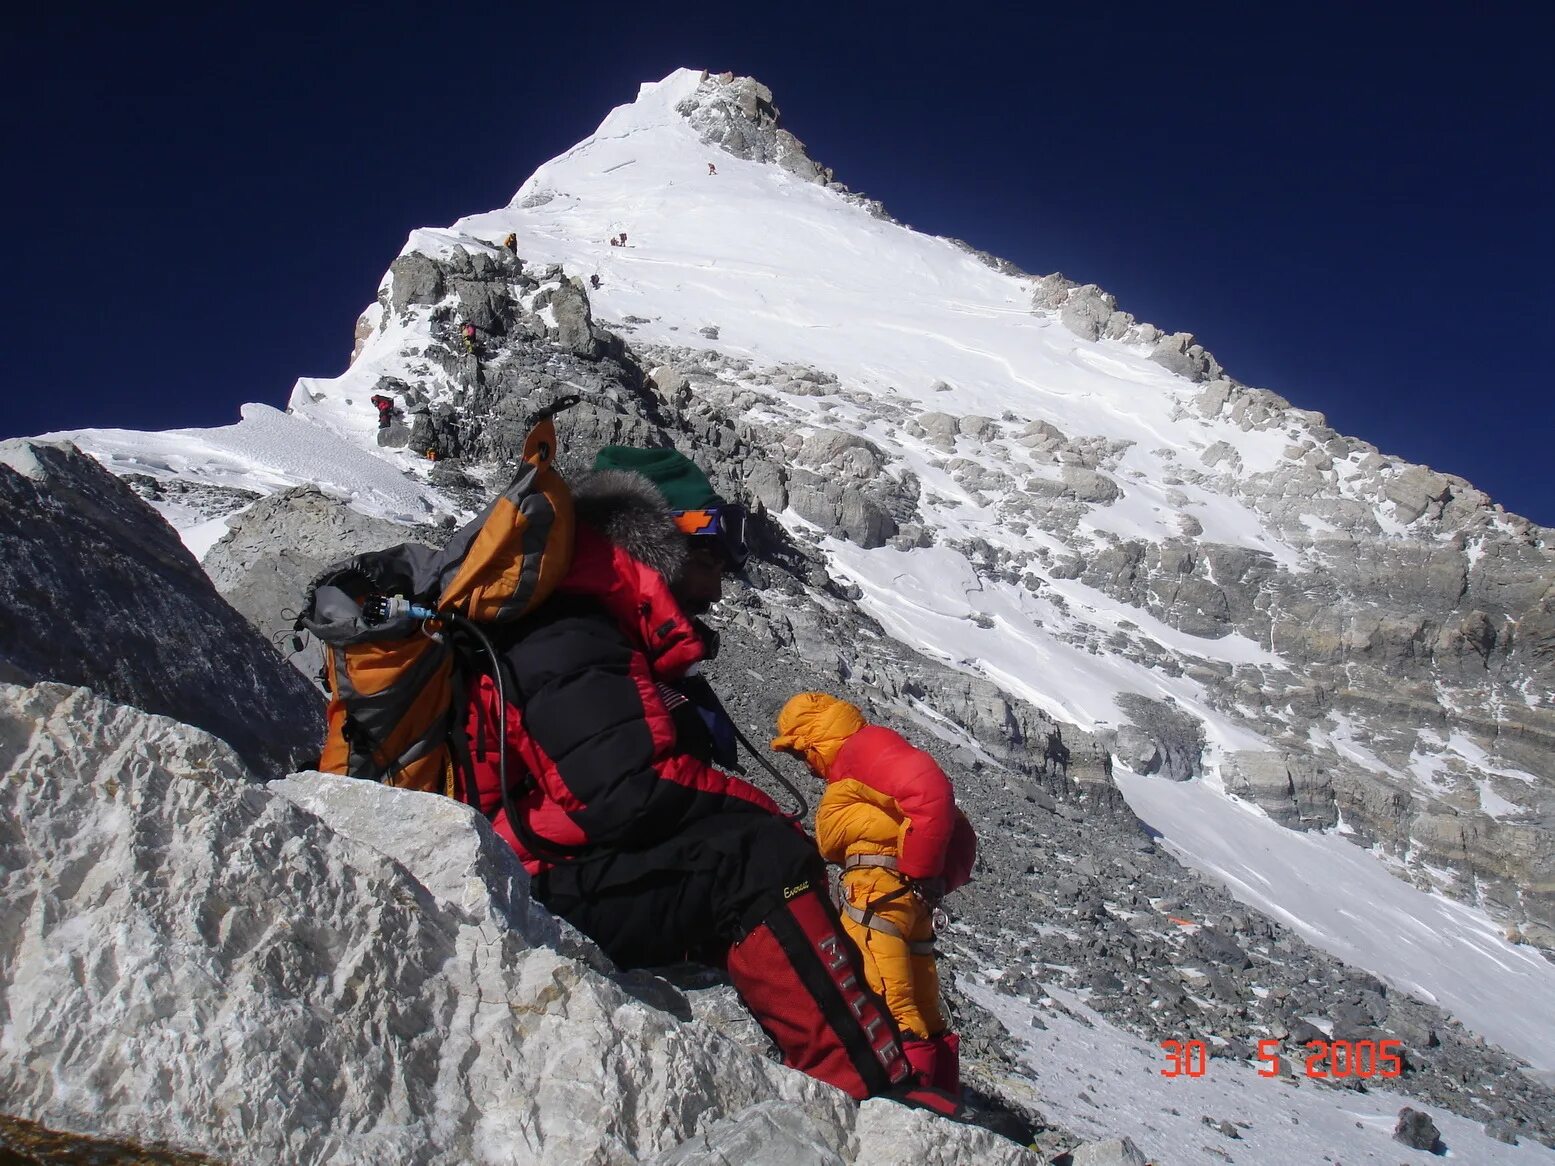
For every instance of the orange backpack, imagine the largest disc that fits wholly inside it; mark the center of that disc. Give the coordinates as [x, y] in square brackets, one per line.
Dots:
[392, 622]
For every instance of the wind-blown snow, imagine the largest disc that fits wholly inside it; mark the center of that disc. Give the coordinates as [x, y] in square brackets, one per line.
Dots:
[266, 451]
[1339, 898]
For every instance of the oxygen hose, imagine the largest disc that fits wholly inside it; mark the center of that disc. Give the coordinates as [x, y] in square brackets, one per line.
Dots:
[377, 609]
[804, 806]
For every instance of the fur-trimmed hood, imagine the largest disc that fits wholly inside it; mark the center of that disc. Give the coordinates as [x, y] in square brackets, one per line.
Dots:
[628, 510]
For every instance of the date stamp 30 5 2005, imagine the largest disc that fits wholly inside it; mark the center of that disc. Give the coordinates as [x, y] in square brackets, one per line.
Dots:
[1326, 1059]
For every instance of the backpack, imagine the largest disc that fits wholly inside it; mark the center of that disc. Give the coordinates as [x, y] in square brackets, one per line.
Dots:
[398, 626]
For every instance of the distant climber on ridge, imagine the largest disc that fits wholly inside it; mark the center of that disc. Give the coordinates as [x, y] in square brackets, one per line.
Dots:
[594, 282]
[711, 169]
[385, 407]
[889, 819]
[468, 332]
[511, 242]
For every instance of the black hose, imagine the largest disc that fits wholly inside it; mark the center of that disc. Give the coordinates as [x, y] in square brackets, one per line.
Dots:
[718, 706]
[804, 806]
[459, 621]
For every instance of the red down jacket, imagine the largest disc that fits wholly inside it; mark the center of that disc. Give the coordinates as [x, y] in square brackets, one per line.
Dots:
[589, 722]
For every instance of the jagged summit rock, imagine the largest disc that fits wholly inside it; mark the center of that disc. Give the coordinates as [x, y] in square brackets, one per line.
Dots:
[737, 114]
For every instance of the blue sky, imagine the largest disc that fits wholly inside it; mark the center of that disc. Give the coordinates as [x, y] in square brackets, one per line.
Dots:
[1350, 205]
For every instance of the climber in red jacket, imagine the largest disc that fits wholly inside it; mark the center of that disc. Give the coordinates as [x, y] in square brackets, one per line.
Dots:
[624, 812]
[385, 407]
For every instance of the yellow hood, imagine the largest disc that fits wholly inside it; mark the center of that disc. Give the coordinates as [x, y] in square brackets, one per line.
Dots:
[815, 725]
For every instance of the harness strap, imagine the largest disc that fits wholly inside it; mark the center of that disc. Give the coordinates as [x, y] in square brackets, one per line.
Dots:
[886, 860]
[872, 921]
[867, 914]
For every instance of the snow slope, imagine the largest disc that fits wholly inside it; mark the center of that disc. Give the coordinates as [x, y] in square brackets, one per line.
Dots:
[1341, 899]
[265, 452]
[1101, 1082]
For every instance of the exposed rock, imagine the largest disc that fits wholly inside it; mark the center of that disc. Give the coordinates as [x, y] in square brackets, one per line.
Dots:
[1162, 738]
[940, 428]
[97, 590]
[1051, 291]
[667, 380]
[737, 115]
[270, 553]
[234, 982]
[414, 279]
[1089, 486]
[1417, 490]
[574, 321]
[1290, 788]
[1417, 1131]
[847, 511]
[1087, 310]
[1112, 1152]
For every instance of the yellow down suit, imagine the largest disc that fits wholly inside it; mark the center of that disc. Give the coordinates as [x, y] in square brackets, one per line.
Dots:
[889, 803]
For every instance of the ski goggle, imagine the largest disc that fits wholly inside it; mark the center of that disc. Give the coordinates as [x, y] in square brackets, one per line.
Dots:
[726, 523]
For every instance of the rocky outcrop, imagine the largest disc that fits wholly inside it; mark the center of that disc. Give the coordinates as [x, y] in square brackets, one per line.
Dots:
[273, 550]
[1160, 738]
[736, 114]
[1293, 789]
[97, 590]
[325, 970]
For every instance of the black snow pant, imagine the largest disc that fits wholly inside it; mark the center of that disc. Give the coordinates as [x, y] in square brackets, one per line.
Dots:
[747, 892]
[688, 897]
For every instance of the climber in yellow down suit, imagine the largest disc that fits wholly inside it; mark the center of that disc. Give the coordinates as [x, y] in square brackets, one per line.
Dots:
[889, 819]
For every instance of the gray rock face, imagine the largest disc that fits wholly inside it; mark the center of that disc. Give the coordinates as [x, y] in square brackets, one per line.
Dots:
[97, 590]
[736, 114]
[845, 510]
[569, 305]
[414, 279]
[1162, 739]
[271, 552]
[1093, 314]
[1416, 1130]
[1290, 788]
[328, 970]
[1113, 1152]
[1179, 353]
[1087, 311]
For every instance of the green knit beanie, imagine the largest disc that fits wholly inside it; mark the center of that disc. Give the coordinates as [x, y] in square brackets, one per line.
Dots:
[683, 485]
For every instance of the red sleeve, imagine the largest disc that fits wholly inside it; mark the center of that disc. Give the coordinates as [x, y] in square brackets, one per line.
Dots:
[883, 760]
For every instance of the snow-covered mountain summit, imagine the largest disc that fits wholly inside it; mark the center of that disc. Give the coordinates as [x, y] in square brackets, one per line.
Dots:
[1114, 547]
[1019, 476]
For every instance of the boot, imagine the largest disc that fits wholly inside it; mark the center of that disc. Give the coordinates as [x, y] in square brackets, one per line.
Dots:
[947, 1063]
[802, 979]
